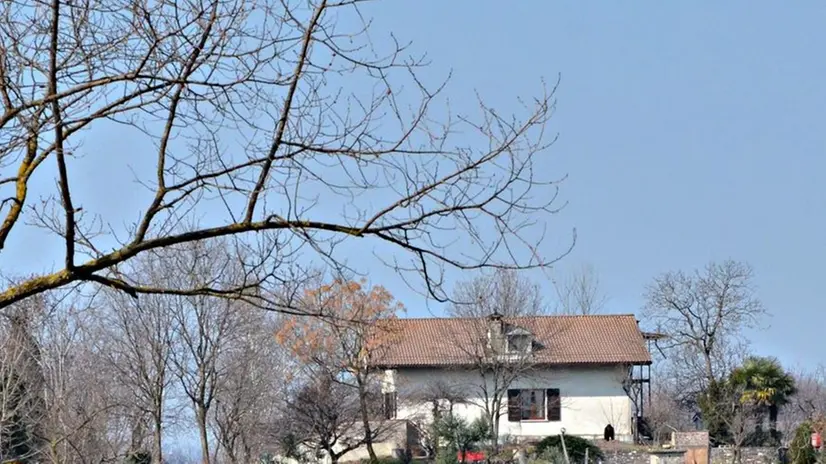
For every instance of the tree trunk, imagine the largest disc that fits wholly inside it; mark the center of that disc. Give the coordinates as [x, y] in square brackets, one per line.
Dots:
[709, 368]
[437, 415]
[247, 449]
[202, 432]
[157, 438]
[333, 455]
[736, 457]
[365, 419]
[491, 414]
[495, 433]
[775, 437]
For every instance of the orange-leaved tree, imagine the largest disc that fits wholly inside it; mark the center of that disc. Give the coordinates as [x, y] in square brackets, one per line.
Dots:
[356, 328]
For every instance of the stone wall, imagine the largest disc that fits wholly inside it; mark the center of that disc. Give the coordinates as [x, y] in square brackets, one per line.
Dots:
[750, 455]
[626, 456]
[718, 456]
[689, 439]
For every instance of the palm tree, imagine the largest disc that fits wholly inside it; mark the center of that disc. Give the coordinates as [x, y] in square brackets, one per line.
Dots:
[766, 385]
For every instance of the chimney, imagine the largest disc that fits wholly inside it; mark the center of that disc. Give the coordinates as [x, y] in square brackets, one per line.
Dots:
[496, 335]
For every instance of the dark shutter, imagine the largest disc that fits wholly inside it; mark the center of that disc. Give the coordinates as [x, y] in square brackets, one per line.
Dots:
[554, 405]
[390, 408]
[514, 411]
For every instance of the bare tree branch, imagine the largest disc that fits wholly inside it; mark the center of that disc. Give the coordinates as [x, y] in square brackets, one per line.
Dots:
[273, 125]
[580, 292]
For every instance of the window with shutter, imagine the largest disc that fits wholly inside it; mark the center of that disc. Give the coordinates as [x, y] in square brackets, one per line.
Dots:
[533, 405]
[514, 409]
[554, 405]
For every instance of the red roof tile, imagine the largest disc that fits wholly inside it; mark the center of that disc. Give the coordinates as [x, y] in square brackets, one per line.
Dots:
[598, 339]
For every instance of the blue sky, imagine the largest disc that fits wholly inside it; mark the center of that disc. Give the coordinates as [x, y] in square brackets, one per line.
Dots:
[690, 132]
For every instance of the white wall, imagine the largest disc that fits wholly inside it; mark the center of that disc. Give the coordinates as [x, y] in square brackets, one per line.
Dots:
[592, 397]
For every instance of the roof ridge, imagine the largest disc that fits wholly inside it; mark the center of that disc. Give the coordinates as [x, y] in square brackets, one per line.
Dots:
[537, 316]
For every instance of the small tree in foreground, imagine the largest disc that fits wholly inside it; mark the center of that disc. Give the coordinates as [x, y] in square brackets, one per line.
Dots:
[459, 436]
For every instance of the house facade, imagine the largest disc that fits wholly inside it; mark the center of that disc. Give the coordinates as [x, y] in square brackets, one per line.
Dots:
[540, 375]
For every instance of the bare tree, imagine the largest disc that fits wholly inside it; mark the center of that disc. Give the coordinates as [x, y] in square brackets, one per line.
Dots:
[22, 405]
[493, 302]
[505, 292]
[138, 340]
[703, 315]
[580, 292]
[259, 373]
[84, 414]
[324, 417]
[166, 341]
[683, 371]
[206, 327]
[667, 413]
[256, 113]
[75, 398]
[739, 417]
[57, 401]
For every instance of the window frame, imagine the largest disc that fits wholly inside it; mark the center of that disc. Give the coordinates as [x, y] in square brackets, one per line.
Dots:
[551, 405]
[527, 407]
[511, 349]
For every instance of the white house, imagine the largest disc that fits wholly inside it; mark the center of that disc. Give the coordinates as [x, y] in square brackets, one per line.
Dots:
[550, 372]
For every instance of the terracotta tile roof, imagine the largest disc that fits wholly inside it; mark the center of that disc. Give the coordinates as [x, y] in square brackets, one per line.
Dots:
[599, 339]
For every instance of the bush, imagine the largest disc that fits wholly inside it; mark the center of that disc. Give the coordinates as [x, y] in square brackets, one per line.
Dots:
[800, 449]
[550, 456]
[576, 447]
[460, 435]
[447, 454]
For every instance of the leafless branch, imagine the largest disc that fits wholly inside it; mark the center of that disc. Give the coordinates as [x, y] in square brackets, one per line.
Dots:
[272, 125]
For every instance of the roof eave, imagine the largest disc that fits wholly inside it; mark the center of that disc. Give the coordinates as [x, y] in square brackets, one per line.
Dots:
[538, 364]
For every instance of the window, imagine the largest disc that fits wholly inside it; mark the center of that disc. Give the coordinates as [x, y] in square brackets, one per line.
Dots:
[390, 408]
[519, 343]
[534, 404]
